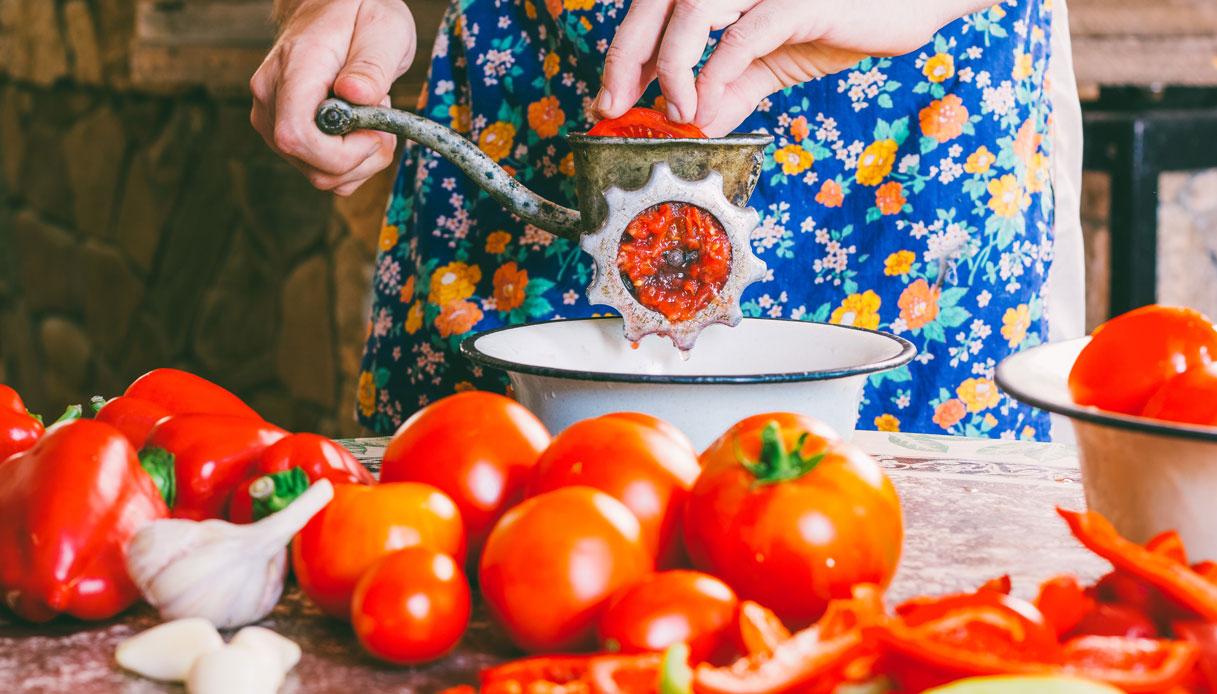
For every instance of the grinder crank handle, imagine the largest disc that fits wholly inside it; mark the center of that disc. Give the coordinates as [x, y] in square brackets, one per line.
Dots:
[337, 117]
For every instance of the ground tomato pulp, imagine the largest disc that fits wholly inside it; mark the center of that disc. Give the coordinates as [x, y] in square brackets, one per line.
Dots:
[675, 259]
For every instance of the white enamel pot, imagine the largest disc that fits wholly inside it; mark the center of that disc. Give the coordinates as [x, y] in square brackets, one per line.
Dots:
[1144, 475]
[569, 370]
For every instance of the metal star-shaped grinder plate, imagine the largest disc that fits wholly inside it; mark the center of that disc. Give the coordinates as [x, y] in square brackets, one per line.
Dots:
[607, 286]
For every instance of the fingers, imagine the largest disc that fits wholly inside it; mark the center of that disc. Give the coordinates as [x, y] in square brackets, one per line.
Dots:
[684, 41]
[380, 52]
[740, 97]
[302, 85]
[630, 59]
[759, 32]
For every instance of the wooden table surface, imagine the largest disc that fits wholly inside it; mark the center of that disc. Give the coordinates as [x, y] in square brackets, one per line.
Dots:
[974, 509]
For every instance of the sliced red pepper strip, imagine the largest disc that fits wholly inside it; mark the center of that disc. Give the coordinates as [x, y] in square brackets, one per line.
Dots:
[816, 655]
[1207, 569]
[1002, 584]
[1176, 580]
[1168, 544]
[799, 660]
[644, 123]
[1204, 635]
[1114, 619]
[1064, 603]
[917, 659]
[599, 673]
[1134, 665]
[760, 629]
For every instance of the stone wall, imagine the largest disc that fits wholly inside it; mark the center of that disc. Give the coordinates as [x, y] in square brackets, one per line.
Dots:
[143, 230]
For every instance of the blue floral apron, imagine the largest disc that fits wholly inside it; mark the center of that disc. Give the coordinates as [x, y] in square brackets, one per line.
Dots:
[910, 194]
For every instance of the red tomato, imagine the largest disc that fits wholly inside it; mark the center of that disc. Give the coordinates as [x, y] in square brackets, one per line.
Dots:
[362, 524]
[791, 517]
[1190, 397]
[1131, 356]
[672, 607]
[477, 448]
[551, 564]
[411, 606]
[662, 425]
[644, 122]
[636, 463]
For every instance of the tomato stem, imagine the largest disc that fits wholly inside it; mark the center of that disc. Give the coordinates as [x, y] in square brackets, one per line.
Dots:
[776, 464]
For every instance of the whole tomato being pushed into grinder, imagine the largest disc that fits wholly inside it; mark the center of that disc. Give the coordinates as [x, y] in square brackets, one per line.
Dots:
[791, 516]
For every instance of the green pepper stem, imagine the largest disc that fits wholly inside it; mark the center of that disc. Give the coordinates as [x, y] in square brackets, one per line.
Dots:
[274, 492]
[96, 403]
[158, 463]
[73, 412]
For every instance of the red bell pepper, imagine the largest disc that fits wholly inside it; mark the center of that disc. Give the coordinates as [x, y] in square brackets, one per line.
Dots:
[211, 455]
[1175, 579]
[163, 392]
[1002, 584]
[273, 486]
[18, 428]
[68, 507]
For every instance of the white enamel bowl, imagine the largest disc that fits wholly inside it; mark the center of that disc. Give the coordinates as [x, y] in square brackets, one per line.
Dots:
[569, 370]
[1144, 475]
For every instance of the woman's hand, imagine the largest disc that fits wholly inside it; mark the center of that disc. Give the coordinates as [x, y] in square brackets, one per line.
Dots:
[356, 48]
[768, 45]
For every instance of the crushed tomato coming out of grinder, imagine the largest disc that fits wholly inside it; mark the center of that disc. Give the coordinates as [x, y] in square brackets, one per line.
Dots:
[674, 258]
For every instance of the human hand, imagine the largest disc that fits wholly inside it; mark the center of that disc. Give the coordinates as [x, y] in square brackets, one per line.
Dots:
[767, 45]
[356, 48]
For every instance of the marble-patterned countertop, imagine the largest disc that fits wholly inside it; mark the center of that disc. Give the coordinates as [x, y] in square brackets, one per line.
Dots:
[974, 509]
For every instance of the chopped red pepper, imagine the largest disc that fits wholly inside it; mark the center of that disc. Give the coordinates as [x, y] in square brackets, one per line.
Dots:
[1113, 619]
[1176, 580]
[18, 428]
[1134, 665]
[1064, 603]
[1204, 635]
[1001, 584]
[825, 653]
[68, 507]
[599, 673]
[1168, 544]
[212, 454]
[760, 629]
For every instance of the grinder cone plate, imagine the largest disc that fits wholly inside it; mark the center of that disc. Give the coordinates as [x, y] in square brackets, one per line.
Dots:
[608, 286]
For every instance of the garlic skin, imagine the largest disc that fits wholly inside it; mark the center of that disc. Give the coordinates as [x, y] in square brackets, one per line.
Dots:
[167, 651]
[228, 574]
[234, 670]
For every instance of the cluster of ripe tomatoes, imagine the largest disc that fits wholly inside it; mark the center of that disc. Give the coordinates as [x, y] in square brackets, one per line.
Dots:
[613, 535]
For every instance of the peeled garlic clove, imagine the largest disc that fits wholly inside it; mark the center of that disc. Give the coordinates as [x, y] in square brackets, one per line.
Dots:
[270, 643]
[167, 651]
[233, 670]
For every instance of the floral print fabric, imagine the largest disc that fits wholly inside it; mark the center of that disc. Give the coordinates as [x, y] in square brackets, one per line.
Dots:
[909, 194]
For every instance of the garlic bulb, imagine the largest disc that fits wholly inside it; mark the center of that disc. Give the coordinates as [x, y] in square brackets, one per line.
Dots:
[167, 651]
[226, 573]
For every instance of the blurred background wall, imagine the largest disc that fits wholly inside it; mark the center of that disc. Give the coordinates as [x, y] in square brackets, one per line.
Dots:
[144, 223]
